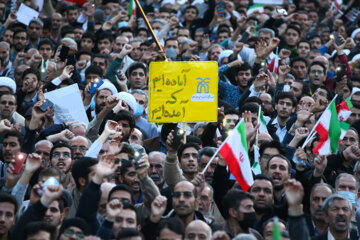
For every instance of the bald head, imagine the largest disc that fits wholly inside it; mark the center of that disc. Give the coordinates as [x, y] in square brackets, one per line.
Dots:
[323, 60]
[198, 230]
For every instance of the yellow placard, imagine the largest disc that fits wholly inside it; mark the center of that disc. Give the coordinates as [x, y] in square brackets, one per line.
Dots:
[183, 92]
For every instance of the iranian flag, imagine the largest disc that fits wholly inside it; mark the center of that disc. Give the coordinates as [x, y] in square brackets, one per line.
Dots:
[80, 2]
[338, 4]
[235, 153]
[132, 8]
[261, 120]
[255, 7]
[344, 109]
[328, 127]
[276, 63]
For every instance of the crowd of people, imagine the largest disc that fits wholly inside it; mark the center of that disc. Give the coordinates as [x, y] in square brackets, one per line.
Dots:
[119, 176]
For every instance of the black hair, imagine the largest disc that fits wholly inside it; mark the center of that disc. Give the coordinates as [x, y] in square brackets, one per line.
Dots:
[35, 227]
[262, 176]
[92, 69]
[233, 199]
[279, 156]
[106, 35]
[82, 168]
[19, 30]
[125, 188]
[173, 224]
[89, 35]
[124, 167]
[8, 198]
[78, 55]
[32, 71]
[283, 95]
[46, 41]
[126, 233]
[18, 135]
[75, 222]
[185, 146]
[99, 55]
[294, 27]
[60, 145]
[252, 107]
[135, 66]
[272, 144]
[192, 7]
[253, 99]
[318, 64]
[49, 172]
[298, 59]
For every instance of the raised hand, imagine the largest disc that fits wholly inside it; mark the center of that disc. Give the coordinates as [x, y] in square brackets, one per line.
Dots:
[283, 70]
[352, 153]
[144, 165]
[33, 163]
[260, 49]
[104, 168]
[111, 127]
[122, 82]
[67, 72]
[294, 193]
[111, 102]
[125, 51]
[5, 125]
[158, 207]
[66, 135]
[320, 163]
[113, 209]
[301, 133]
[250, 128]
[51, 193]
[260, 82]
[303, 115]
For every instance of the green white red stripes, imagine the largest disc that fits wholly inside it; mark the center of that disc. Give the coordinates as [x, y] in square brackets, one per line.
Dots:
[234, 151]
[261, 120]
[329, 130]
[132, 8]
[344, 109]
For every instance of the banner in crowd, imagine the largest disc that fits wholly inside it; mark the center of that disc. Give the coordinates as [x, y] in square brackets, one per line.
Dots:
[68, 104]
[183, 92]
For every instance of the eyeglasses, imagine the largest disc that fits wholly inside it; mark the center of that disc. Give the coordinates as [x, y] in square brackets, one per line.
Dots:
[231, 120]
[69, 233]
[187, 194]
[57, 155]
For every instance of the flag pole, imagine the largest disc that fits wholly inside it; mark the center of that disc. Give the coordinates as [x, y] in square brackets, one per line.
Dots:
[317, 123]
[149, 26]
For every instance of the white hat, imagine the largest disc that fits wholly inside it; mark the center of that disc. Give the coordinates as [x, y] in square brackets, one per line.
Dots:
[355, 58]
[108, 85]
[355, 32]
[8, 82]
[164, 2]
[128, 98]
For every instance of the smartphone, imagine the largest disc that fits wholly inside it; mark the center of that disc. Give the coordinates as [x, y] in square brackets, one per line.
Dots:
[337, 38]
[95, 85]
[137, 157]
[19, 162]
[178, 135]
[49, 181]
[118, 74]
[46, 104]
[64, 52]
[221, 8]
[340, 72]
[263, 65]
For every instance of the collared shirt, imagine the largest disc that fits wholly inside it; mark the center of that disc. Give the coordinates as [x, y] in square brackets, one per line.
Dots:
[316, 231]
[280, 131]
[7, 70]
[331, 237]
